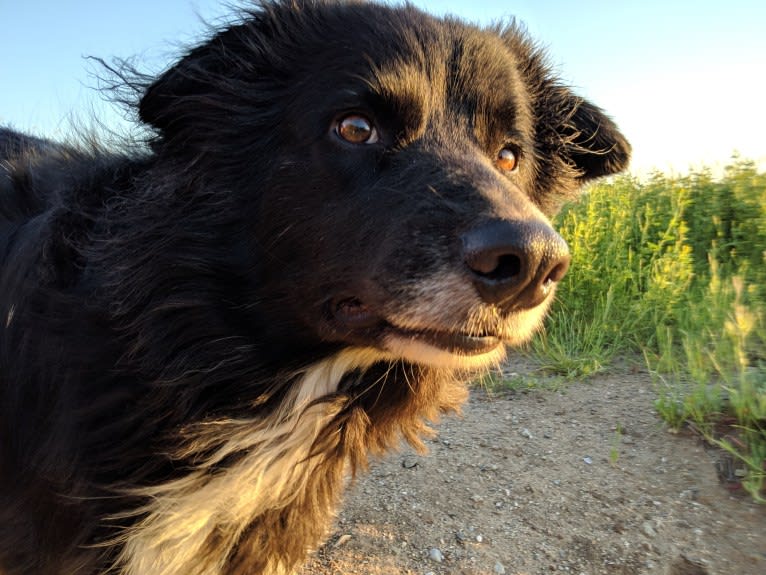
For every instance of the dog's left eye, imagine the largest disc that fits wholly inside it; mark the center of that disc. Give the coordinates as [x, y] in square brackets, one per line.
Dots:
[507, 159]
[356, 129]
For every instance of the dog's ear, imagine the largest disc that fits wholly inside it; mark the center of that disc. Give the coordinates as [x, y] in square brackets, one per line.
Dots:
[575, 131]
[157, 103]
[593, 142]
[568, 128]
[193, 82]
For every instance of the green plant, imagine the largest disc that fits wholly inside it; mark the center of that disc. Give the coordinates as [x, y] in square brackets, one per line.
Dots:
[673, 268]
[496, 381]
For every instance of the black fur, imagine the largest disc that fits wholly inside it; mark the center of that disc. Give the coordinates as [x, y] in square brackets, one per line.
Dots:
[142, 294]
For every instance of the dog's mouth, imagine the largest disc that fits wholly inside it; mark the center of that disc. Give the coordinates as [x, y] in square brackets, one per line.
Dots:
[454, 342]
[360, 324]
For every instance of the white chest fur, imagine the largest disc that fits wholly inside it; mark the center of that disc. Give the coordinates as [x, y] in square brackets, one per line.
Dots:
[184, 516]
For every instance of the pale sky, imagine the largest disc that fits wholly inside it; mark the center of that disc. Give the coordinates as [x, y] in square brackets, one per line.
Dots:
[685, 80]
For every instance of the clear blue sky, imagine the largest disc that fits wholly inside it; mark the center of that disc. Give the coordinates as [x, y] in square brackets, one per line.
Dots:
[685, 80]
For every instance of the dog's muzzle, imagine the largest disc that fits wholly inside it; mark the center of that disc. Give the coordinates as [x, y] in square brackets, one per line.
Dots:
[496, 294]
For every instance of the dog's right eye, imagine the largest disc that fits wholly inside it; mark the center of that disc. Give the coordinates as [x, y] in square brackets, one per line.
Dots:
[508, 159]
[356, 129]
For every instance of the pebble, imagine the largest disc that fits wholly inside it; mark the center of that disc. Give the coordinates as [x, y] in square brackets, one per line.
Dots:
[526, 433]
[499, 568]
[343, 539]
[648, 529]
[588, 460]
[410, 462]
[436, 555]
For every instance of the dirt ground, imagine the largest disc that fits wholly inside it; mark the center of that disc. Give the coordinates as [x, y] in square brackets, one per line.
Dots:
[585, 481]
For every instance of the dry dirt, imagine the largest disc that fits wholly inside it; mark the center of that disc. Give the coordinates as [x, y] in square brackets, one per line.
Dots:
[585, 480]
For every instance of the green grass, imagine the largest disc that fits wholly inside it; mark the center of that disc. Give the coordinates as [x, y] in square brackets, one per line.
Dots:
[673, 269]
[494, 382]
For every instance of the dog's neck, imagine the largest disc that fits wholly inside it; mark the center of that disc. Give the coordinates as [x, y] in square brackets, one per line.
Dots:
[192, 525]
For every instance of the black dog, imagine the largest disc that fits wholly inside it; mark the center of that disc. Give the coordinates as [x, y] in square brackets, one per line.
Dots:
[341, 216]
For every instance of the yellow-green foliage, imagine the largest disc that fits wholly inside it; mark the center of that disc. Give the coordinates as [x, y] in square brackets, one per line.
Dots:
[674, 268]
[653, 260]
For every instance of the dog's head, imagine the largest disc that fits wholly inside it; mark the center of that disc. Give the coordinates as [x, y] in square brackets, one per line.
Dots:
[393, 172]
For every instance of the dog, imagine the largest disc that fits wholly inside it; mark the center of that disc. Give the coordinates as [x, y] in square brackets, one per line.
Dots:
[340, 217]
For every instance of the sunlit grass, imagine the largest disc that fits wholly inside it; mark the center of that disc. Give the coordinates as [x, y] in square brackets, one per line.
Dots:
[674, 269]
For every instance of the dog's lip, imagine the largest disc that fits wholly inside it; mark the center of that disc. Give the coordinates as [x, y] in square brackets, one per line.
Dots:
[357, 318]
[453, 341]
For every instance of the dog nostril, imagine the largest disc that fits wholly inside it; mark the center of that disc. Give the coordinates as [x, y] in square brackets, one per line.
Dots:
[505, 267]
[557, 273]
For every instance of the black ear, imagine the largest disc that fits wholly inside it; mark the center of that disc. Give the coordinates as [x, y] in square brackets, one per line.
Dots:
[594, 143]
[569, 130]
[193, 82]
[158, 99]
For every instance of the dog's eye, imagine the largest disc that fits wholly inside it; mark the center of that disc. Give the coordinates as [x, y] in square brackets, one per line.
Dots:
[507, 159]
[356, 129]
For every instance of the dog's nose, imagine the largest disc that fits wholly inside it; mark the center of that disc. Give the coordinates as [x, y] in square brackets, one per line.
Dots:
[514, 264]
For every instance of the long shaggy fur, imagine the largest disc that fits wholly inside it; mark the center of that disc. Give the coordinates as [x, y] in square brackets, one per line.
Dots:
[202, 340]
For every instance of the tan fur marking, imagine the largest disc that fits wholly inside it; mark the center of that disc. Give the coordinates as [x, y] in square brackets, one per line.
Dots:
[421, 352]
[187, 513]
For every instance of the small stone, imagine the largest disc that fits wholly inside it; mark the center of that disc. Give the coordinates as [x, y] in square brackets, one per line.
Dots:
[410, 462]
[479, 538]
[342, 540]
[685, 565]
[499, 568]
[588, 460]
[436, 555]
[526, 433]
[648, 529]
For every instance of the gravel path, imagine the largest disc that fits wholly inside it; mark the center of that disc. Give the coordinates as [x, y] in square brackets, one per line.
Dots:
[582, 481]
